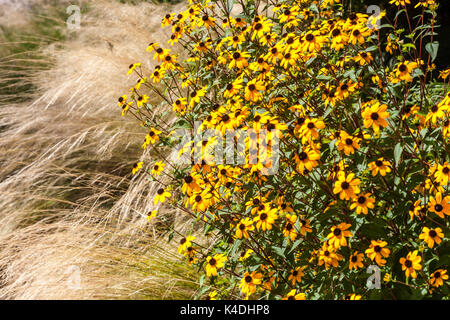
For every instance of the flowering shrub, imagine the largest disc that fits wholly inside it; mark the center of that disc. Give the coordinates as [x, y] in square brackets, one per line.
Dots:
[338, 155]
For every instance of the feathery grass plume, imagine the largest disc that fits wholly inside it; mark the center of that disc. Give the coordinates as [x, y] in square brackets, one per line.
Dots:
[65, 173]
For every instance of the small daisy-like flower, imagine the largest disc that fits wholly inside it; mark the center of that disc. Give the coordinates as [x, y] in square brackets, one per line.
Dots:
[438, 277]
[294, 295]
[356, 260]
[411, 263]
[431, 236]
[363, 203]
[380, 166]
[214, 263]
[136, 167]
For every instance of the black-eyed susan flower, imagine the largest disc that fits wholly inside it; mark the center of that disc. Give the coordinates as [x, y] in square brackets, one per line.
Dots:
[307, 159]
[161, 195]
[249, 282]
[438, 277]
[266, 219]
[243, 228]
[411, 263]
[364, 58]
[296, 275]
[329, 257]
[180, 105]
[252, 90]
[132, 67]
[380, 166]
[157, 75]
[442, 174]
[339, 234]
[157, 168]
[375, 115]
[151, 215]
[431, 236]
[201, 201]
[353, 296]
[214, 263]
[346, 186]
[289, 227]
[239, 59]
[142, 100]
[363, 203]
[294, 295]
[348, 143]
[356, 260]
[404, 69]
[136, 167]
[416, 209]
[185, 243]
[245, 254]
[439, 205]
[377, 251]
[211, 296]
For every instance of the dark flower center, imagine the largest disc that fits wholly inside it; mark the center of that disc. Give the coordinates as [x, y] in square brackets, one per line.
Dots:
[408, 263]
[335, 32]
[432, 233]
[248, 279]
[345, 185]
[361, 200]
[160, 191]
[377, 248]
[309, 37]
[402, 68]
[188, 179]
[374, 116]
[348, 141]
[438, 207]
[337, 232]
[212, 262]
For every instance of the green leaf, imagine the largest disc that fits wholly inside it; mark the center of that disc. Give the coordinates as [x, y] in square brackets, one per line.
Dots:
[398, 153]
[432, 49]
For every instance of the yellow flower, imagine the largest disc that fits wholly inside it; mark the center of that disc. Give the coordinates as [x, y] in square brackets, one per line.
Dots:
[185, 243]
[161, 195]
[363, 203]
[157, 168]
[132, 67]
[296, 275]
[338, 236]
[346, 186]
[375, 115]
[356, 260]
[437, 278]
[293, 295]
[377, 252]
[249, 282]
[404, 69]
[439, 205]
[243, 227]
[136, 167]
[380, 166]
[431, 236]
[151, 215]
[411, 263]
[214, 263]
